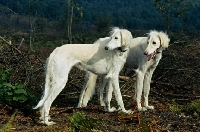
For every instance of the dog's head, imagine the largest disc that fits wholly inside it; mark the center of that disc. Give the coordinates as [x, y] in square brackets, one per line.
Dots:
[156, 42]
[120, 39]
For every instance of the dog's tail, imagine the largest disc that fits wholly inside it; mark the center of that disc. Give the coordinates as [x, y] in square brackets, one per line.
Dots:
[48, 72]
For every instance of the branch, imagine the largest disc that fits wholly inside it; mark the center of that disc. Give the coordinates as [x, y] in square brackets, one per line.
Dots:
[21, 43]
[10, 44]
[8, 9]
[126, 78]
[181, 95]
[180, 69]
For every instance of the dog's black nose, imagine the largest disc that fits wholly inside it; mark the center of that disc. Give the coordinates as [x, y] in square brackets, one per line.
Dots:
[145, 53]
[106, 48]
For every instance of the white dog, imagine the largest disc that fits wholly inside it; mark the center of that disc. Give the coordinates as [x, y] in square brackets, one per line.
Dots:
[145, 54]
[90, 57]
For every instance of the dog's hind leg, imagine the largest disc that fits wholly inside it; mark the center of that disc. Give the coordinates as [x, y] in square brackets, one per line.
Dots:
[109, 90]
[58, 79]
[88, 89]
[56, 88]
[104, 82]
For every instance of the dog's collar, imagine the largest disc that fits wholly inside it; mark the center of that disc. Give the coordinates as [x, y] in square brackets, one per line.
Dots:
[120, 49]
[158, 50]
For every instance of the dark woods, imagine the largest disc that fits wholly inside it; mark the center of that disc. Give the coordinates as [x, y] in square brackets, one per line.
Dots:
[88, 15]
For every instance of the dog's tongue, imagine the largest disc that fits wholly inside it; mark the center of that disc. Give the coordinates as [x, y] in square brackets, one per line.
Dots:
[150, 56]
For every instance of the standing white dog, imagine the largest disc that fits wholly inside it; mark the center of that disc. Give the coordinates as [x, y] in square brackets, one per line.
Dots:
[89, 57]
[145, 54]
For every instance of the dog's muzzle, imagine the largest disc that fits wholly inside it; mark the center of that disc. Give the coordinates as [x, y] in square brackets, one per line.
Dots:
[152, 55]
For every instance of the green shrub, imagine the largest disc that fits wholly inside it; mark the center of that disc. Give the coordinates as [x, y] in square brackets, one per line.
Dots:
[194, 108]
[14, 95]
[143, 125]
[8, 127]
[175, 107]
[79, 122]
[196, 105]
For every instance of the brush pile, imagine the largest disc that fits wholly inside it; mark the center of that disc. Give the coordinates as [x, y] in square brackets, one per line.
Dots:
[23, 64]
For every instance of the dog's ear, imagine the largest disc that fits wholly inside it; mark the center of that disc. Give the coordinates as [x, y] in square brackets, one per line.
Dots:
[126, 37]
[164, 39]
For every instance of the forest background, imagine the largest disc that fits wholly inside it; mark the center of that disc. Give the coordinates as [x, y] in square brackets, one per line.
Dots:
[80, 20]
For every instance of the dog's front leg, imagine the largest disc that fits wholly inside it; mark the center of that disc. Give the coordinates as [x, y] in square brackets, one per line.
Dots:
[147, 81]
[118, 96]
[139, 89]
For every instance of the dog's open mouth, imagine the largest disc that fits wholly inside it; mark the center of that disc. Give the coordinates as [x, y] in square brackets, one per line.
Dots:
[150, 56]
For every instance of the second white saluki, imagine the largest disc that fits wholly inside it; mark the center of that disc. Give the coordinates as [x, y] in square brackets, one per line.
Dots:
[105, 57]
[145, 54]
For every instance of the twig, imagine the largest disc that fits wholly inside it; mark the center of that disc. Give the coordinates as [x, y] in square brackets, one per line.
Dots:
[21, 43]
[180, 69]
[10, 44]
[182, 95]
[129, 96]
[72, 93]
[180, 40]
[8, 9]
[167, 84]
[126, 78]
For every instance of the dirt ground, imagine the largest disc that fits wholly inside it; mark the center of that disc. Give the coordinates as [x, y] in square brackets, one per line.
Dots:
[161, 119]
[176, 79]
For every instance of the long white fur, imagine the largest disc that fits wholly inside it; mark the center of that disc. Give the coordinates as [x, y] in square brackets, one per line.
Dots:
[88, 57]
[155, 42]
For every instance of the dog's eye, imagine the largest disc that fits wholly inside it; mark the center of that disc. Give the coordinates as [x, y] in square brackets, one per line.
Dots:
[116, 37]
[154, 42]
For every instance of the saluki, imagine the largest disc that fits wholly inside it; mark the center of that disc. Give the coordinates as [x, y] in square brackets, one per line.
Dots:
[145, 54]
[105, 57]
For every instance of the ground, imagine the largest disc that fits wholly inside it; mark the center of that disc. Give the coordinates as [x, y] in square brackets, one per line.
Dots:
[159, 119]
[175, 81]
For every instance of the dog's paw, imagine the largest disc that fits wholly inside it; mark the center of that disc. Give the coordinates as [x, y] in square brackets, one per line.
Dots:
[110, 109]
[149, 107]
[102, 103]
[78, 107]
[81, 105]
[128, 111]
[48, 123]
[142, 109]
[42, 118]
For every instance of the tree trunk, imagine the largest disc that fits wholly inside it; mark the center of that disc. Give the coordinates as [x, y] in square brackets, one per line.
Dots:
[70, 18]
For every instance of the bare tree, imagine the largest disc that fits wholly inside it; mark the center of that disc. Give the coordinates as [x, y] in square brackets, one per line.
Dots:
[70, 15]
[70, 18]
